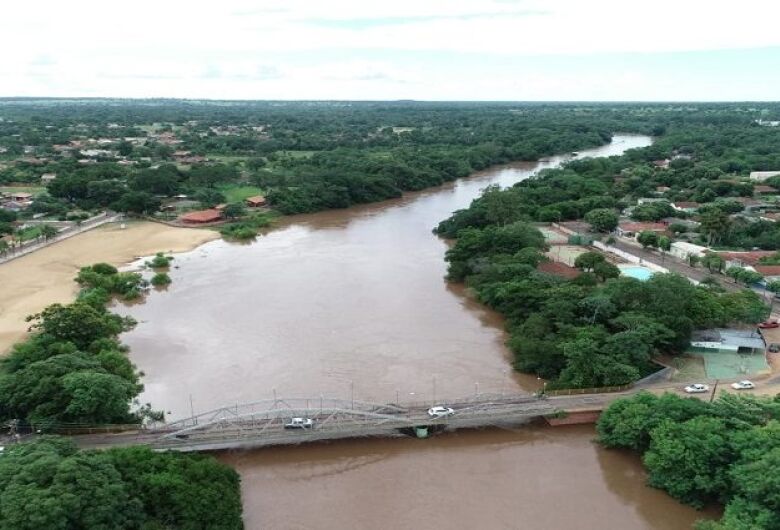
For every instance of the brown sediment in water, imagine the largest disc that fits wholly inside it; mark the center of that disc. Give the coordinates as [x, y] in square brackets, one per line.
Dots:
[531, 477]
[32, 282]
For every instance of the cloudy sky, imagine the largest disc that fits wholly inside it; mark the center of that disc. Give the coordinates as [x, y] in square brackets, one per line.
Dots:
[401, 49]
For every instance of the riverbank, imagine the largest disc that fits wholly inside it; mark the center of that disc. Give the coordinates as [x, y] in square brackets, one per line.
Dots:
[32, 282]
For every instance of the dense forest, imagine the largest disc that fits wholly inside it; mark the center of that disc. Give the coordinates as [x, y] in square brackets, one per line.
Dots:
[73, 370]
[597, 329]
[48, 483]
[727, 451]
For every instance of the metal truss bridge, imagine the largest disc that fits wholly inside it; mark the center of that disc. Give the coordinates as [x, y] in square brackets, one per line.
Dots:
[262, 423]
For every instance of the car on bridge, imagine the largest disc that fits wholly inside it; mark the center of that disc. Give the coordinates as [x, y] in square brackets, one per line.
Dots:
[299, 423]
[696, 388]
[440, 412]
[743, 385]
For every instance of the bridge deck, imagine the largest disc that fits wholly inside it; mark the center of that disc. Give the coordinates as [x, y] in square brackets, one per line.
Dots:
[261, 424]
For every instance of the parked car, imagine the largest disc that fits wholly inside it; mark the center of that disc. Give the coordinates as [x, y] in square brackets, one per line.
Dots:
[769, 324]
[696, 388]
[440, 412]
[299, 423]
[743, 385]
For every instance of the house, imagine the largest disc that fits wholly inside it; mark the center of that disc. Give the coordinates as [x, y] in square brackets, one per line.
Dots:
[661, 164]
[202, 216]
[15, 206]
[48, 177]
[751, 204]
[684, 250]
[745, 259]
[646, 200]
[771, 217]
[559, 269]
[20, 196]
[761, 176]
[256, 201]
[771, 273]
[632, 229]
[689, 224]
[763, 189]
[727, 340]
[662, 189]
[685, 206]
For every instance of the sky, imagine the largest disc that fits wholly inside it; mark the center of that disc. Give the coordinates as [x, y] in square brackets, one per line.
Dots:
[518, 50]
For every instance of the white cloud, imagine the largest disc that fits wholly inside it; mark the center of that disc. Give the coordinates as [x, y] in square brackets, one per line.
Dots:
[188, 49]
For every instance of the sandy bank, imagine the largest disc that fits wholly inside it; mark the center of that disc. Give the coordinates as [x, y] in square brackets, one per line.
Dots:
[30, 283]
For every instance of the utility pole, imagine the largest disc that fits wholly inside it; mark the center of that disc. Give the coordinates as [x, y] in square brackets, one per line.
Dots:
[352, 393]
[714, 388]
[434, 391]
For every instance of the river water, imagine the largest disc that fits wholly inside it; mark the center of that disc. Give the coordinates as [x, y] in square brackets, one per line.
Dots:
[353, 303]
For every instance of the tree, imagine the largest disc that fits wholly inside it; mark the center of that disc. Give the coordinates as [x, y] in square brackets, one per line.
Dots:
[690, 460]
[714, 223]
[137, 202]
[647, 239]
[605, 270]
[79, 323]
[208, 197]
[602, 219]
[587, 261]
[234, 210]
[48, 232]
[713, 262]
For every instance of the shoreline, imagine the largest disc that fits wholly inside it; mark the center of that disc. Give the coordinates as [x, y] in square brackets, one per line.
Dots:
[44, 277]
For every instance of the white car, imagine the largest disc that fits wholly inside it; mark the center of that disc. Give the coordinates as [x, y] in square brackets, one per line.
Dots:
[743, 385]
[440, 412]
[696, 388]
[299, 423]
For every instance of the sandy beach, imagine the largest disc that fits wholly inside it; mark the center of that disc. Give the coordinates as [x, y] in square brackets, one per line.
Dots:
[30, 283]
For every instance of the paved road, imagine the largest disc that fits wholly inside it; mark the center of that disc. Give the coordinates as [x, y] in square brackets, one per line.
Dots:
[674, 264]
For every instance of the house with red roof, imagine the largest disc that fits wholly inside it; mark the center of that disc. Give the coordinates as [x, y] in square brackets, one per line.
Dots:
[202, 216]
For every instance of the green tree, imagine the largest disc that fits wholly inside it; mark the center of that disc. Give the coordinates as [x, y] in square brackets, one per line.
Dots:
[234, 210]
[587, 261]
[48, 232]
[690, 460]
[714, 223]
[647, 239]
[713, 262]
[602, 219]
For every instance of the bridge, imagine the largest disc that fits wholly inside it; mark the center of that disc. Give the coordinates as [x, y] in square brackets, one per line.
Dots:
[262, 423]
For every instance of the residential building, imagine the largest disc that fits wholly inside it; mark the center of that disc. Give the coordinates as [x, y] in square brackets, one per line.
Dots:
[685, 206]
[632, 229]
[202, 216]
[761, 176]
[684, 250]
[256, 201]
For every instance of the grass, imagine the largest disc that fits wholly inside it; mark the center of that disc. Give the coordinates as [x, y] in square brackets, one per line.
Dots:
[35, 190]
[296, 154]
[234, 193]
[30, 233]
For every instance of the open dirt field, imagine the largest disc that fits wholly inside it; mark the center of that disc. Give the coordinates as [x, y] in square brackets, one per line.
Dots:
[30, 283]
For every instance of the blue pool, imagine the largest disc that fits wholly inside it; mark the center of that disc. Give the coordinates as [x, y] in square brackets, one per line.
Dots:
[636, 271]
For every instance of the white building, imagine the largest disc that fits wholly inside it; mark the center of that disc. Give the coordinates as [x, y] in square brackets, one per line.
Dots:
[761, 176]
[683, 250]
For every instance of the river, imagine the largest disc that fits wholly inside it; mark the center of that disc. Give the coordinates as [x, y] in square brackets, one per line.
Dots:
[353, 303]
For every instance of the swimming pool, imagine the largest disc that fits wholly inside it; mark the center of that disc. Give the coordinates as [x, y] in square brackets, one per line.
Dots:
[636, 271]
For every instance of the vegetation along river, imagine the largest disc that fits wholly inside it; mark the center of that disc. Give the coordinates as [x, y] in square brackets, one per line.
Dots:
[354, 303]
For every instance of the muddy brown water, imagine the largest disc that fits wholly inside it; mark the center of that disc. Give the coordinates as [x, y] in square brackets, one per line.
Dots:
[353, 303]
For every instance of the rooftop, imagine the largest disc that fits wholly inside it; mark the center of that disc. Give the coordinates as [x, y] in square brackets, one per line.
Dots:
[730, 337]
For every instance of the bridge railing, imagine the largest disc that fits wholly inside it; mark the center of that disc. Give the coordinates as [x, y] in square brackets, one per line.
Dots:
[580, 391]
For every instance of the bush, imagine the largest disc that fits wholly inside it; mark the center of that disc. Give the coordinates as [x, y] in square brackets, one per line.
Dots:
[161, 279]
[160, 261]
